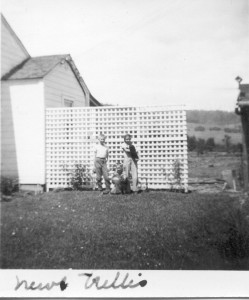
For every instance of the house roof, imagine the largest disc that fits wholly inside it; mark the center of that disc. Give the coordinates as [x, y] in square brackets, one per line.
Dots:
[35, 67]
[12, 32]
[39, 67]
[94, 102]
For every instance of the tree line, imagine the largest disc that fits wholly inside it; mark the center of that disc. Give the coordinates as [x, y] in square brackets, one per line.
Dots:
[215, 128]
[201, 145]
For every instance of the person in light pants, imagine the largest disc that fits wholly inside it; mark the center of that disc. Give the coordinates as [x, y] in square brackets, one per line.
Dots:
[101, 153]
[130, 161]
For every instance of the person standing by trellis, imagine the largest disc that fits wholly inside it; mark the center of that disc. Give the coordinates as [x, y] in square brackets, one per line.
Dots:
[101, 153]
[130, 161]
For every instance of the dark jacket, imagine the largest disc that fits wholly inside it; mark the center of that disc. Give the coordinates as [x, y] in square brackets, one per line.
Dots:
[133, 151]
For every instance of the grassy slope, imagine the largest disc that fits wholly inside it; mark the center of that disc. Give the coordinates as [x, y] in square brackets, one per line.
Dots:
[155, 230]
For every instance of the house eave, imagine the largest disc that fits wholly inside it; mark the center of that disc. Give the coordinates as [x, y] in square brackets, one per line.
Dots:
[82, 83]
[243, 102]
[20, 79]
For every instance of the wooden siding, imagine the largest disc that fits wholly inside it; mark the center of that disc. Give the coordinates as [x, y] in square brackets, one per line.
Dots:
[12, 51]
[23, 131]
[8, 149]
[61, 84]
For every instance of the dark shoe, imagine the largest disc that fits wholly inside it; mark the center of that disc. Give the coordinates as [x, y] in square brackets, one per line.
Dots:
[106, 192]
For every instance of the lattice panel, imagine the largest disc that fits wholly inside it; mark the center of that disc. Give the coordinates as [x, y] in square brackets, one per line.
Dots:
[158, 133]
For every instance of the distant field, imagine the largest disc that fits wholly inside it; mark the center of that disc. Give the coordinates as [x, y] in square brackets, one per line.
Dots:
[217, 135]
[211, 164]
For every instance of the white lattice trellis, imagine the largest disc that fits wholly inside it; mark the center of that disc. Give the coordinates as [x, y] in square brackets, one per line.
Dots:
[159, 134]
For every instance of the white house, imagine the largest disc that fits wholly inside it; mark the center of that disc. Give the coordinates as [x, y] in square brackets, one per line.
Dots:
[28, 86]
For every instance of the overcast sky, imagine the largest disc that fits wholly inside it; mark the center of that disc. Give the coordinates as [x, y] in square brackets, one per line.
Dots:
[144, 52]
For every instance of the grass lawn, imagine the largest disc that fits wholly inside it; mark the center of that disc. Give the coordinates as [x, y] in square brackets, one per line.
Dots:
[153, 230]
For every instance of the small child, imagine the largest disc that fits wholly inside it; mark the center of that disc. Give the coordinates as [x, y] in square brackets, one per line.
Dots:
[130, 161]
[120, 181]
[101, 153]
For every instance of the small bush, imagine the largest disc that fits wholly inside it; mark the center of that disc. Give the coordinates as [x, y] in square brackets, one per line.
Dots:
[210, 144]
[192, 142]
[9, 185]
[200, 147]
[200, 128]
[232, 130]
[214, 128]
[174, 176]
[79, 176]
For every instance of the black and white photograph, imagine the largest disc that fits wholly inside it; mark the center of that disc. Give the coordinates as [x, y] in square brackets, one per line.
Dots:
[124, 139]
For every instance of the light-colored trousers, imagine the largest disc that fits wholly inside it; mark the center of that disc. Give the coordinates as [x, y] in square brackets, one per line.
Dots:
[101, 169]
[130, 167]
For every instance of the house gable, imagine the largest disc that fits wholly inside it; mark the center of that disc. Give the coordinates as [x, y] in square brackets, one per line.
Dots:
[13, 52]
[17, 64]
[44, 66]
[61, 86]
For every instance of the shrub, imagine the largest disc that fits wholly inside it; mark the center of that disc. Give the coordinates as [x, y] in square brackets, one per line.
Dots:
[236, 148]
[232, 130]
[174, 177]
[79, 176]
[214, 128]
[210, 144]
[9, 185]
[200, 146]
[200, 128]
[192, 142]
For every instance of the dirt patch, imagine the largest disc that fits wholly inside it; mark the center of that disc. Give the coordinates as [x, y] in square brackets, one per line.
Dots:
[205, 172]
[215, 188]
